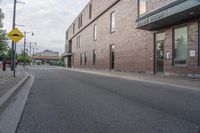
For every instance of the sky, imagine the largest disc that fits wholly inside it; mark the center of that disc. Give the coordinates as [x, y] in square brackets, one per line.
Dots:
[48, 19]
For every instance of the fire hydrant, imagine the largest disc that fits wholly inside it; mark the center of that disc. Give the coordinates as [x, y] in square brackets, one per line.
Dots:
[4, 65]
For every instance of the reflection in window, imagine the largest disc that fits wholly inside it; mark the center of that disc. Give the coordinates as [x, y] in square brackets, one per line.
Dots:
[112, 22]
[95, 33]
[142, 7]
[180, 45]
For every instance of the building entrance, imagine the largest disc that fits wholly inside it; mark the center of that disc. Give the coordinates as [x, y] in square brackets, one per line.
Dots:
[159, 52]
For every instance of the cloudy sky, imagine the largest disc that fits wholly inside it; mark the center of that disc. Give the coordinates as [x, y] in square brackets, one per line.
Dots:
[48, 19]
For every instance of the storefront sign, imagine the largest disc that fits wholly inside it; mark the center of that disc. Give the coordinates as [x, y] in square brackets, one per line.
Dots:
[153, 18]
[171, 14]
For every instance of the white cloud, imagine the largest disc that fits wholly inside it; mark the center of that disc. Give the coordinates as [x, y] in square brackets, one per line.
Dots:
[48, 19]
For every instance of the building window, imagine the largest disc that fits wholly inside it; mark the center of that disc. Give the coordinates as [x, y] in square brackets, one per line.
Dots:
[112, 56]
[142, 7]
[180, 41]
[80, 21]
[95, 33]
[112, 22]
[94, 57]
[67, 35]
[78, 41]
[199, 43]
[90, 11]
[85, 60]
[81, 59]
[74, 28]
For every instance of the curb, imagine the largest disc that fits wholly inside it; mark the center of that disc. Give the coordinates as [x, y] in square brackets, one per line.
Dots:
[6, 97]
[11, 116]
[135, 79]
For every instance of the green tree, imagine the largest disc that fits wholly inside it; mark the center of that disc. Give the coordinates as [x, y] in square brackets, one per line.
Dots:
[9, 54]
[3, 38]
[21, 58]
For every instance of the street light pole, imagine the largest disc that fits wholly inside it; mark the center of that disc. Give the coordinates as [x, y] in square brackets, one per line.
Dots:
[33, 51]
[24, 48]
[13, 44]
[30, 49]
[25, 35]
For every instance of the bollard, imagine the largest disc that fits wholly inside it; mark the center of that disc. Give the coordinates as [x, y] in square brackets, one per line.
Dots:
[4, 65]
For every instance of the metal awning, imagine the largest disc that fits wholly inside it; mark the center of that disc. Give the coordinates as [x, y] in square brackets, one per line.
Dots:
[172, 14]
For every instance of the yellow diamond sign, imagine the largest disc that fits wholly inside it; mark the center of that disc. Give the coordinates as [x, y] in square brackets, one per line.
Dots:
[15, 35]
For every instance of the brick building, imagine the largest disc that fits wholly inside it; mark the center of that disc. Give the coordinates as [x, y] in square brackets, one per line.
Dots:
[151, 36]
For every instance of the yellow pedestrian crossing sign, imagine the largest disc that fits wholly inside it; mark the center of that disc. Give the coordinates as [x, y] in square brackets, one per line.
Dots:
[15, 35]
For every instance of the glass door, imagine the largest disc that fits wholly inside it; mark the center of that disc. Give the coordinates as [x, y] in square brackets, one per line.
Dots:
[159, 52]
[160, 56]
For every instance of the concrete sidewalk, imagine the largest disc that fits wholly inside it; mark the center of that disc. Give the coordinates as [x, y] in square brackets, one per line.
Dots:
[7, 81]
[9, 86]
[187, 83]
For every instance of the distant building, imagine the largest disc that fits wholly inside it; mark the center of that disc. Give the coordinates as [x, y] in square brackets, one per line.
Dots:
[47, 56]
[48, 53]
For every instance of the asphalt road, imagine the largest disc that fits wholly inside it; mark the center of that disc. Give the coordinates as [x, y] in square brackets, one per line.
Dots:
[63, 101]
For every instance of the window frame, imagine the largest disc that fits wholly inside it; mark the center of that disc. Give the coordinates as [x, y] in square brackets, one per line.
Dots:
[199, 43]
[95, 32]
[78, 41]
[173, 47]
[80, 21]
[85, 58]
[90, 11]
[74, 25]
[81, 59]
[94, 56]
[112, 30]
[139, 14]
[67, 35]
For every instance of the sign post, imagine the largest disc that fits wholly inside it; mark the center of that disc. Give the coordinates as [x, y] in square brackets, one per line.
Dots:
[15, 35]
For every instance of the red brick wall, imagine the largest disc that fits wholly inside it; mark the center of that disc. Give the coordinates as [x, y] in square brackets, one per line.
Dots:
[156, 4]
[133, 47]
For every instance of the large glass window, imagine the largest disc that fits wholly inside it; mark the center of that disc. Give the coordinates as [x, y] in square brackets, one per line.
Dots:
[112, 22]
[142, 7]
[95, 33]
[180, 46]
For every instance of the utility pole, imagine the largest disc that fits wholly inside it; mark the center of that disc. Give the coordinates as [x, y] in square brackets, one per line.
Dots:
[30, 49]
[24, 49]
[13, 44]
